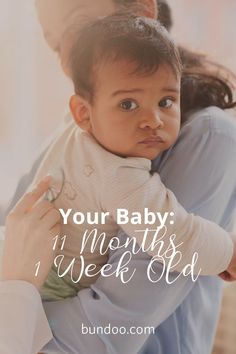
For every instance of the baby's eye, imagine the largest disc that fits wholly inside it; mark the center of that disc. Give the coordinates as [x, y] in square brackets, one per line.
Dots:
[166, 102]
[128, 105]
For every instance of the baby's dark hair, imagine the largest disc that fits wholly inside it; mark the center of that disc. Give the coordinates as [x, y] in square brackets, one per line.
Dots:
[138, 40]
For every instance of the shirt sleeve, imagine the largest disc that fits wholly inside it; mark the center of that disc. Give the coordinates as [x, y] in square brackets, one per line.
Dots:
[134, 189]
[23, 325]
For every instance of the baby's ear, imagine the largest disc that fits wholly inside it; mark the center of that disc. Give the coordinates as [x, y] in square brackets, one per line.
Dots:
[80, 110]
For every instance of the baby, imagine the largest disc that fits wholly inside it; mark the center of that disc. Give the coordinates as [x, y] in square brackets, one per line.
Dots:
[126, 72]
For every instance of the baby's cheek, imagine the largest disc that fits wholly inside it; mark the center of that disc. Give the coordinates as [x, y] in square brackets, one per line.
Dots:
[175, 129]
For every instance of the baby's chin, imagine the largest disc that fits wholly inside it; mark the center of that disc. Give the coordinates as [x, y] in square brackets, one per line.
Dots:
[149, 155]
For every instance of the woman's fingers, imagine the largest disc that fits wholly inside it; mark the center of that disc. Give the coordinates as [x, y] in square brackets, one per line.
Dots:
[55, 230]
[29, 199]
[40, 209]
[50, 219]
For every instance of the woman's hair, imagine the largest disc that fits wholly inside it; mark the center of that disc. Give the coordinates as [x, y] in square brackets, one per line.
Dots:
[139, 40]
[204, 83]
[164, 11]
[164, 14]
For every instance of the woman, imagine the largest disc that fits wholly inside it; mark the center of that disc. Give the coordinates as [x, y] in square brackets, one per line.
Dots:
[195, 170]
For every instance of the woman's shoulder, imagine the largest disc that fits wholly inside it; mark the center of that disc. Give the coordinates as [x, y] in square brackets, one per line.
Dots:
[211, 120]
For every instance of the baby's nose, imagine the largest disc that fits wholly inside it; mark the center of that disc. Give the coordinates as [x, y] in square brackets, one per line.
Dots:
[153, 121]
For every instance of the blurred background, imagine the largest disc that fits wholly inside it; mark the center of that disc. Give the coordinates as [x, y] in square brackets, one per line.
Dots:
[34, 91]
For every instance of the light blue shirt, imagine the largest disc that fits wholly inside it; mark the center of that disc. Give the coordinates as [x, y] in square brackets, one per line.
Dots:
[200, 170]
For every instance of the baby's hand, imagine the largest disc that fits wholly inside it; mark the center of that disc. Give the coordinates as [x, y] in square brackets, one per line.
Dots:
[230, 273]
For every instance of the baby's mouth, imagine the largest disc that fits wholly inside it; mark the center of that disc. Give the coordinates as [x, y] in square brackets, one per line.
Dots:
[152, 140]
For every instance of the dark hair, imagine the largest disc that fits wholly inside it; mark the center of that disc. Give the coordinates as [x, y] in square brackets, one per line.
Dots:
[204, 82]
[121, 36]
[164, 11]
[164, 14]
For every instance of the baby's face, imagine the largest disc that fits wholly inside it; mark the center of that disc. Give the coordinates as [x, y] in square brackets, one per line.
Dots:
[132, 114]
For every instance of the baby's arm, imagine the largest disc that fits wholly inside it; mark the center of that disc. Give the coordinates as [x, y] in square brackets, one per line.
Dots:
[134, 188]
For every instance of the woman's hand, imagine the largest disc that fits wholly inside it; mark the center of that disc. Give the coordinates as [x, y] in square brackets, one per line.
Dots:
[30, 229]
